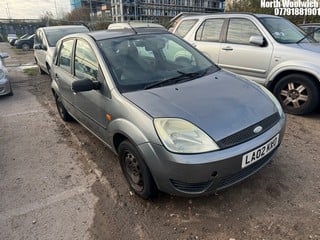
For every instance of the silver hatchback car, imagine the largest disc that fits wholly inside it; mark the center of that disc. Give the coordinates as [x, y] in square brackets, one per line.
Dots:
[177, 122]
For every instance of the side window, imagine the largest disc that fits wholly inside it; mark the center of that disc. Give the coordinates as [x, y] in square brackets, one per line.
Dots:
[184, 27]
[64, 59]
[240, 31]
[210, 30]
[85, 61]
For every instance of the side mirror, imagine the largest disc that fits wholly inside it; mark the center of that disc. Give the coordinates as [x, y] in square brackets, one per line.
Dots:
[85, 85]
[37, 46]
[3, 55]
[256, 40]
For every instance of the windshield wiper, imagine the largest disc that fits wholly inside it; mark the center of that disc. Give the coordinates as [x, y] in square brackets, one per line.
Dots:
[307, 35]
[182, 77]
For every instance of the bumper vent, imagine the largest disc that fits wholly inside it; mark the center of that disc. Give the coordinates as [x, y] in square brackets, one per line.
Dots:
[248, 133]
[191, 187]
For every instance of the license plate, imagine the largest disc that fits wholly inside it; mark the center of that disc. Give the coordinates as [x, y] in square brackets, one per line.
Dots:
[260, 152]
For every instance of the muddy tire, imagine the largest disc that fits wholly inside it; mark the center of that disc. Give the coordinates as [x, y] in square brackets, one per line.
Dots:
[65, 116]
[297, 93]
[136, 171]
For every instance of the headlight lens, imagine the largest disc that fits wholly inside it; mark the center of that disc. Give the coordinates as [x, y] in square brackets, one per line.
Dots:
[2, 74]
[181, 136]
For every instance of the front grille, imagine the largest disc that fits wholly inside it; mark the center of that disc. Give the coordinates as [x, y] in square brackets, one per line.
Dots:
[249, 170]
[190, 187]
[247, 133]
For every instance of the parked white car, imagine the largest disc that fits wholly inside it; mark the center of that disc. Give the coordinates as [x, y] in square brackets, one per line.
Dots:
[45, 43]
[264, 48]
[5, 86]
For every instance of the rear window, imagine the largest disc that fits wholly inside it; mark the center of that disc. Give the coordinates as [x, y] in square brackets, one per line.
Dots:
[184, 27]
[53, 35]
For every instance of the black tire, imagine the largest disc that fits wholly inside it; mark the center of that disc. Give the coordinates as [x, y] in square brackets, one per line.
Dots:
[136, 171]
[41, 71]
[297, 93]
[65, 116]
[25, 47]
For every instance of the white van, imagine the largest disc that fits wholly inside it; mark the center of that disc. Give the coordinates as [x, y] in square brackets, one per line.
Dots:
[45, 42]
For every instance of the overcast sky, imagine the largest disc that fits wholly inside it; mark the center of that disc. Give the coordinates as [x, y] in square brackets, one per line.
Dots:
[31, 9]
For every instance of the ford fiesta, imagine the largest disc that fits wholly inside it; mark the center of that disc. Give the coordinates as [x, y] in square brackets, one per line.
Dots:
[177, 122]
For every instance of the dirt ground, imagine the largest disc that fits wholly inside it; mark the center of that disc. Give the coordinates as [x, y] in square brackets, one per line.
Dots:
[282, 201]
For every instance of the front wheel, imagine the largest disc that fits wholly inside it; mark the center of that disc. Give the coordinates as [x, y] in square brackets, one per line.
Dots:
[25, 47]
[136, 171]
[62, 110]
[297, 93]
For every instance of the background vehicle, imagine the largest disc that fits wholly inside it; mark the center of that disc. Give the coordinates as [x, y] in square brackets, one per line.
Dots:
[264, 48]
[45, 41]
[166, 110]
[313, 28]
[11, 36]
[5, 86]
[25, 43]
[12, 41]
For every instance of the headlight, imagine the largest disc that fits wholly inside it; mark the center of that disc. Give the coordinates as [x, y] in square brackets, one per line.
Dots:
[2, 74]
[181, 136]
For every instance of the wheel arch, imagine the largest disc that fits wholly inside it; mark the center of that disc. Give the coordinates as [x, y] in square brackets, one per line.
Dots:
[284, 73]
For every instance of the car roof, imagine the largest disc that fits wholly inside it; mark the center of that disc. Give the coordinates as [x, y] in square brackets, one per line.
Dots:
[130, 25]
[54, 28]
[228, 14]
[107, 34]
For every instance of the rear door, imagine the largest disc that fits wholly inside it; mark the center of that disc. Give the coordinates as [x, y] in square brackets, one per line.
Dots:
[238, 55]
[207, 38]
[63, 74]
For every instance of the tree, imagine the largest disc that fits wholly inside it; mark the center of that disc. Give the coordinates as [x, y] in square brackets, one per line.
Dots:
[46, 17]
[79, 14]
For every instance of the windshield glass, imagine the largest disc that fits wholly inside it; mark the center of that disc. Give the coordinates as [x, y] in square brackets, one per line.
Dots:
[143, 60]
[283, 31]
[54, 35]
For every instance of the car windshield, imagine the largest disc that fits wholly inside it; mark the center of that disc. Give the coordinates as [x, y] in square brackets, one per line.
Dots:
[153, 60]
[283, 31]
[54, 35]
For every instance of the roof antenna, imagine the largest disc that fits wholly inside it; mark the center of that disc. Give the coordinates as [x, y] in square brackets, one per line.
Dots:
[132, 28]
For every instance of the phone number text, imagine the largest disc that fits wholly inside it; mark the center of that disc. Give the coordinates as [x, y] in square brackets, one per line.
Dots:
[296, 11]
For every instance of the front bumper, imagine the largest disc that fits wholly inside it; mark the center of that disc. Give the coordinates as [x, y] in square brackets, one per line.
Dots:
[5, 87]
[206, 173]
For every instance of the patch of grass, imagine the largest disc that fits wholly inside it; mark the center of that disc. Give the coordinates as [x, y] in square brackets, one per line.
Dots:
[31, 71]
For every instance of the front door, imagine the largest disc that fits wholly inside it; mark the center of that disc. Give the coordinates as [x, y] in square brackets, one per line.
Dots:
[238, 55]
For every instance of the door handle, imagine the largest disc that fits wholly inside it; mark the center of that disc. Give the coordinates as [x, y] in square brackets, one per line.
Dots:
[227, 48]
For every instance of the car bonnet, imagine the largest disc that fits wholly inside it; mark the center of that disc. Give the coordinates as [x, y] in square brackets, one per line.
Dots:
[220, 104]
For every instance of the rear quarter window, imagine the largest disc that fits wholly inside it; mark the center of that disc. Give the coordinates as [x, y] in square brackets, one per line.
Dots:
[185, 26]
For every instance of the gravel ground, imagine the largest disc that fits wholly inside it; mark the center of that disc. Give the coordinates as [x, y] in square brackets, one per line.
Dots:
[86, 196]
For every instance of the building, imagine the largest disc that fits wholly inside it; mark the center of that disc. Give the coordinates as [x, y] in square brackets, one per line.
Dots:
[146, 10]
[153, 10]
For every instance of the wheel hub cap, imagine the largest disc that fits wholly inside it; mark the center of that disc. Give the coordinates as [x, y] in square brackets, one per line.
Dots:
[133, 170]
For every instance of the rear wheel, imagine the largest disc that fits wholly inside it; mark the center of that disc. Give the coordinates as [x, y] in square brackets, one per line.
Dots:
[297, 93]
[62, 110]
[25, 47]
[136, 171]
